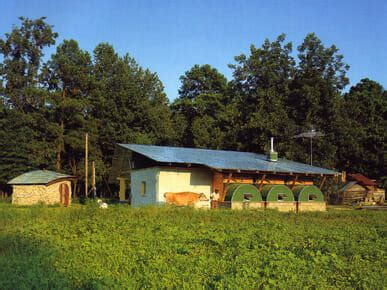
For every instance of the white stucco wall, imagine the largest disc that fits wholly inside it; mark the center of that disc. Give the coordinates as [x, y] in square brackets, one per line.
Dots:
[184, 179]
[160, 180]
[150, 176]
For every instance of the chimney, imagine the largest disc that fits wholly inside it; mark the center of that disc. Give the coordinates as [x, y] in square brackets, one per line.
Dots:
[272, 156]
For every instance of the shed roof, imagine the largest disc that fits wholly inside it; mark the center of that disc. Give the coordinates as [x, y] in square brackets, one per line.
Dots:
[360, 178]
[221, 159]
[350, 184]
[39, 177]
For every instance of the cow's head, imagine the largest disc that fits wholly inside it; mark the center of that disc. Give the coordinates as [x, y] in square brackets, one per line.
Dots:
[202, 196]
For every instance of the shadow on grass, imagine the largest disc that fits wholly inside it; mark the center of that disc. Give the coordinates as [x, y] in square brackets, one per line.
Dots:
[25, 264]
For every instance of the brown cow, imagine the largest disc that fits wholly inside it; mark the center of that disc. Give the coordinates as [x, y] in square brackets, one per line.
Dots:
[183, 198]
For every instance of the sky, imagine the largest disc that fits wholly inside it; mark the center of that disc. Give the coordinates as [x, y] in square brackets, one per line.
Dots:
[170, 36]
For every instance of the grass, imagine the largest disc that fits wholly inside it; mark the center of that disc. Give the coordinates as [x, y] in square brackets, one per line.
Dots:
[87, 247]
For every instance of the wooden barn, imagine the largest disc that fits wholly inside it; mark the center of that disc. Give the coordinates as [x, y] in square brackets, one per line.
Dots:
[41, 186]
[359, 189]
[145, 173]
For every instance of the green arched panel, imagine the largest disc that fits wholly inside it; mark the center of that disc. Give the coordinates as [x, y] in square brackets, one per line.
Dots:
[236, 193]
[277, 192]
[308, 193]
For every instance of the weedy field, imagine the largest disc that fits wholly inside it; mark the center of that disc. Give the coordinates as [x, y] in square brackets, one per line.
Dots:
[120, 247]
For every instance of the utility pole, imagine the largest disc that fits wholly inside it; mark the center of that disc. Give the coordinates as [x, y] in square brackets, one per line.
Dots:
[86, 163]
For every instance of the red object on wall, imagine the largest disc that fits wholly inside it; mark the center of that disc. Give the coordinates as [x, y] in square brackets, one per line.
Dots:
[64, 194]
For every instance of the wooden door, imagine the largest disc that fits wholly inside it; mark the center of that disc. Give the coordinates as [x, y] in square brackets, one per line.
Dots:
[64, 193]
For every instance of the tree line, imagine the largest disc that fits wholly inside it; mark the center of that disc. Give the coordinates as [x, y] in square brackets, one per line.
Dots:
[47, 105]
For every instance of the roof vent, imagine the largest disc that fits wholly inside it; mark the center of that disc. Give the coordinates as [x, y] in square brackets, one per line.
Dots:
[272, 156]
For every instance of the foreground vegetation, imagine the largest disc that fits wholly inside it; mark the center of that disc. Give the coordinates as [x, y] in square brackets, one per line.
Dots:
[86, 247]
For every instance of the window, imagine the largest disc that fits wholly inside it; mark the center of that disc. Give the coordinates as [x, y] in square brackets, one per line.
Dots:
[143, 188]
[281, 197]
[247, 196]
[312, 197]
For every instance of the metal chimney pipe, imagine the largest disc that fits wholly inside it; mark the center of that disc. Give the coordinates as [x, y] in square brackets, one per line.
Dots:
[272, 144]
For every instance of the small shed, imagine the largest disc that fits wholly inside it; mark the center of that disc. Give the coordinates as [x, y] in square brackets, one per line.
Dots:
[41, 186]
[361, 190]
[309, 198]
[278, 196]
[241, 196]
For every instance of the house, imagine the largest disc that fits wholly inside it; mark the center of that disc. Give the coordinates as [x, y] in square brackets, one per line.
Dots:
[41, 186]
[360, 189]
[151, 171]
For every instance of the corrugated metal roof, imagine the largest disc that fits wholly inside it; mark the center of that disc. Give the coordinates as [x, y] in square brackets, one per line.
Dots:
[220, 159]
[38, 177]
[360, 178]
[350, 184]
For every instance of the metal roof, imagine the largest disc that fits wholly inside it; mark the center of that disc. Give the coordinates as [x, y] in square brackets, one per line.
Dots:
[38, 177]
[220, 159]
[362, 179]
[350, 184]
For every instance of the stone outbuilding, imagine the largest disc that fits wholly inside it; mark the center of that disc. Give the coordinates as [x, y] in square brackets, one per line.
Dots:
[41, 186]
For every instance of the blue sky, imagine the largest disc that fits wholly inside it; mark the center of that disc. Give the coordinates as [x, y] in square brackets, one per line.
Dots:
[169, 37]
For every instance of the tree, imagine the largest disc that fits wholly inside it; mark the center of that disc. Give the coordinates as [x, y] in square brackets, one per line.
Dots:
[202, 111]
[128, 104]
[22, 51]
[261, 85]
[24, 134]
[68, 79]
[363, 129]
[315, 96]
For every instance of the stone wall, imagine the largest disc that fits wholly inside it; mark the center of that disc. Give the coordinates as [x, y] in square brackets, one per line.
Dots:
[33, 194]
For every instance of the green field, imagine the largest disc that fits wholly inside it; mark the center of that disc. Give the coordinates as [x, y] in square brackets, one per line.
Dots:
[87, 247]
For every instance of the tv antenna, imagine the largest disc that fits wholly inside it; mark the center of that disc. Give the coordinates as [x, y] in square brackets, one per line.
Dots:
[310, 134]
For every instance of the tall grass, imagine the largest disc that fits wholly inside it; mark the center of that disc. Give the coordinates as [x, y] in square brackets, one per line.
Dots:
[87, 247]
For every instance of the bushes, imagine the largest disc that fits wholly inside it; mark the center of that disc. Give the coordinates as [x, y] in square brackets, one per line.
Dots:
[86, 247]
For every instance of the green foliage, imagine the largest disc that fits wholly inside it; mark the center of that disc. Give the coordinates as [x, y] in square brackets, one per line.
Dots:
[261, 83]
[315, 97]
[87, 247]
[128, 104]
[22, 51]
[24, 128]
[67, 77]
[363, 125]
[46, 108]
[203, 111]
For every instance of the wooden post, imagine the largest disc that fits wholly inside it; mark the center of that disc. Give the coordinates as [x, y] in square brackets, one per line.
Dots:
[217, 183]
[322, 182]
[225, 186]
[86, 163]
[122, 191]
[93, 179]
[294, 182]
[343, 176]
[261, 183]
